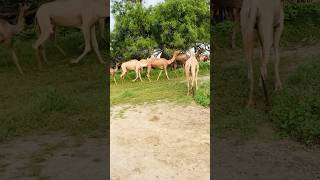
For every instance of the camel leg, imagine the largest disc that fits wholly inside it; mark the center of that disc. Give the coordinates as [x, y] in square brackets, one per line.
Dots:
[140, 75]
[197, 72]
[247, 30]
[16, 61]
[137, 76]
[87, 49]
[38, 46]
[236, 16]
[159, 74]
[95, 45]
[43, 53]
[277, 35]
[165, 70]
[114, 79]
[148, 74]
[266, 36]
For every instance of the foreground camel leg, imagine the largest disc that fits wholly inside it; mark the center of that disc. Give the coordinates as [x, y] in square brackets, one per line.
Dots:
[95, 45]
[188, 79]
[115, 81]
[16, 61]
[197, 72]
[266, 36]
[38, 46]
[165, 70]
[159, 74]
[87, 49]
[277, 35]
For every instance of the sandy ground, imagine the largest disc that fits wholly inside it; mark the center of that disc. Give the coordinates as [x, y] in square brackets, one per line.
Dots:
[256, 159]
[54, 156]
[160, 141]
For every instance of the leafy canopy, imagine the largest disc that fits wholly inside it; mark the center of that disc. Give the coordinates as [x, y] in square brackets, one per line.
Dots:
[173, 24]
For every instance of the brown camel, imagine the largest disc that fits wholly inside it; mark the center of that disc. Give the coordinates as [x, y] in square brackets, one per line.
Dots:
[113, 72]
[8, 31]
[133, 65]
[82, 14]
[162, 64]
[267, 17]
[183, 57]
[192, 66]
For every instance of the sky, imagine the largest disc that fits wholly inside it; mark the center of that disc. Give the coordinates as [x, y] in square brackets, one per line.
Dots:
[145, 3]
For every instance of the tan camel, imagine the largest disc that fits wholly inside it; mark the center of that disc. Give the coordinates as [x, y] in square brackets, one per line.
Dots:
[132, 65]
[82, 14]
[162, 64]
[192, 66]
[113, 72]
[267, 17]
[8, 31]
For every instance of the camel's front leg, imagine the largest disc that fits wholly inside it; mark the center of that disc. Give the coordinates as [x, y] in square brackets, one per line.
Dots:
[159, 74]
[95, 45]
[137, 76]
[16, 61]
[87, 49]
[165, 70]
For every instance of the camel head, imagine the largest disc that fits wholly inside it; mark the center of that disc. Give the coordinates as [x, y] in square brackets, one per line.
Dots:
[24, 7]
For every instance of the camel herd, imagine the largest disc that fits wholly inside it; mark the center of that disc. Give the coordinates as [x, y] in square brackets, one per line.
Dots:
[82, 14]
[190, 63]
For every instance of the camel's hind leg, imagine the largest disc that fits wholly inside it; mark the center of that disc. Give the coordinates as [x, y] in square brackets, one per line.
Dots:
[86, 34]
[247, 29]
[166, 72]
[95, 45]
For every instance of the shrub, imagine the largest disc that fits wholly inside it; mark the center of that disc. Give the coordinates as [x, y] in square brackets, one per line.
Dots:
[202, 95]
[296, 109]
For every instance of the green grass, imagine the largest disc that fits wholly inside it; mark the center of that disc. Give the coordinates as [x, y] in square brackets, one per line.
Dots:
[174, 90]
[230, 92]
[64, 98]
[296, 108]
[202, 95]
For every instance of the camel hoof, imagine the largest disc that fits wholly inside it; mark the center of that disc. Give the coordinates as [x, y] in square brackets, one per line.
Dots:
[251, 105]
[74, 61]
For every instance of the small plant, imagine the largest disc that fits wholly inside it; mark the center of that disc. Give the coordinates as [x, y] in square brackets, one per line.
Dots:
[202, 95]
[296, 109]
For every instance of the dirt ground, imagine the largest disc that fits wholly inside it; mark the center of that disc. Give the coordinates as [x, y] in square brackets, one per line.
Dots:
[258, 159]
[54, 156]
[160, 141]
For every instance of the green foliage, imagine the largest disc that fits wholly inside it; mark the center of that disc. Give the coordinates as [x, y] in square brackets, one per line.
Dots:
[202, 95]
[296, 109]
[170, 25]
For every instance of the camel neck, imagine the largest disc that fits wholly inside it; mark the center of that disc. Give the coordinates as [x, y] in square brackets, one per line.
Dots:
[172, 59]
[20, 23]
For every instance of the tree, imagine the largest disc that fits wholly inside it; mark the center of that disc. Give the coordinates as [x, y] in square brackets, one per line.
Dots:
[174, 24]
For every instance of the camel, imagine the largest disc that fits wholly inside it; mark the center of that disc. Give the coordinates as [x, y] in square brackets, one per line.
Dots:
[267, 17]
[233, 8]
[183, 57]
[8, 31]
[113, 72]
[162, 64]
[82, 14]
[192, 66]
[133, 65]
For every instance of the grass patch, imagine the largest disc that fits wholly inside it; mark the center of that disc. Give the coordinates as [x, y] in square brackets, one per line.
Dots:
[57, 99]
[138, 92]
[202, 95]
[296, 109]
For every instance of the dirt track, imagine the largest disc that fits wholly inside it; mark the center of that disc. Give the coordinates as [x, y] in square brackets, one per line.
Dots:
[160, 141]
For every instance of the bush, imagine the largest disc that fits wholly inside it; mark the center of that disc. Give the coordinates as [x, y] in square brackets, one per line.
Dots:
[296, 109]
[202, 95]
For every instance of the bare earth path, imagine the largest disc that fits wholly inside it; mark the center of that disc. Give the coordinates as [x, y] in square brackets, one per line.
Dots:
[54, 156]
[160, 141]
